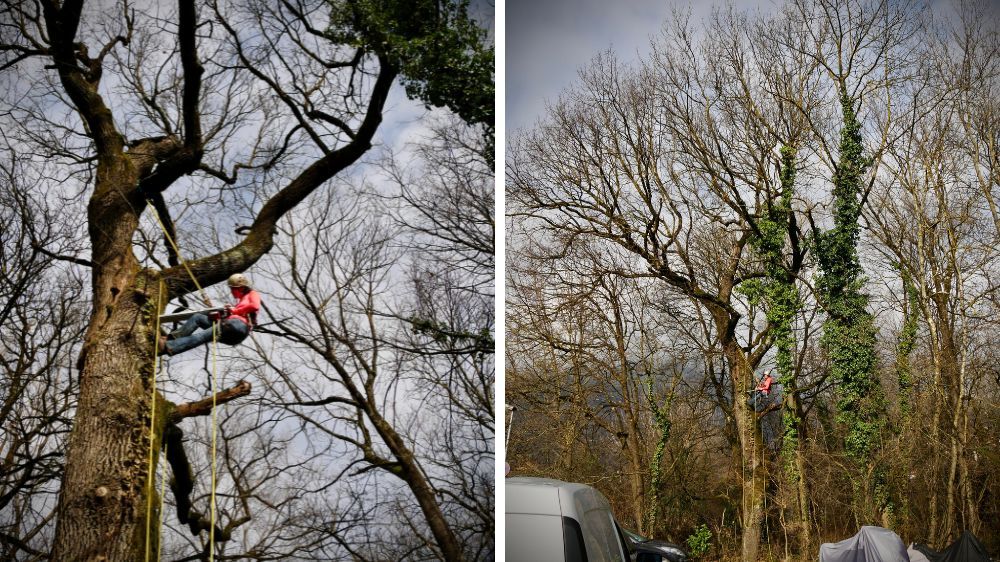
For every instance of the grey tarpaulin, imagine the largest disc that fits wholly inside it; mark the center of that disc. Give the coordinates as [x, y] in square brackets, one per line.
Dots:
[871, 544]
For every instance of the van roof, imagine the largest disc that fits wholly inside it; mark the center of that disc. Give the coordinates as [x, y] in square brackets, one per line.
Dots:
[547, 496]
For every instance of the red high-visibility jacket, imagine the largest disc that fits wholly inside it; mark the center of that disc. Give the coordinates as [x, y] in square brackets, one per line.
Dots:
[248, 304]
[764, 386]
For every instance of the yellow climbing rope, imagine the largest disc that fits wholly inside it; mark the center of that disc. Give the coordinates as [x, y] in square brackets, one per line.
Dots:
[215, 427]
[156, 363]
[152, 426]
[163, 495]
[173, 244]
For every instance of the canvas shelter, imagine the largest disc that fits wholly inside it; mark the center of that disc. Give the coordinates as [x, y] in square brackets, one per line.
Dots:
[871, 544]
[966, 548]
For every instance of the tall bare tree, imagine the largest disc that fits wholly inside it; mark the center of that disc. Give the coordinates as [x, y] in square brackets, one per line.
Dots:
[936, 187]
[381, 374]
[231, 112]
[40, 325]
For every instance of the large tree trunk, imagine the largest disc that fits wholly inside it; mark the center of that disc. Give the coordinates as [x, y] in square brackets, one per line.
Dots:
[630, 426]
[945, 359]
[101, 513]
[753, 471]
[797, 478]
[103, 503]
[637, 478]
[971, 519]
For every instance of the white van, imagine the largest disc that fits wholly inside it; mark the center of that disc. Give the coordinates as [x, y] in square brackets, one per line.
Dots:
[555, 521]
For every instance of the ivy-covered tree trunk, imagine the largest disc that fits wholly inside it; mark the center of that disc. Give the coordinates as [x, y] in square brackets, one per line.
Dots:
[662, 424]
[775, 229]
[849, 330]
[904, 347]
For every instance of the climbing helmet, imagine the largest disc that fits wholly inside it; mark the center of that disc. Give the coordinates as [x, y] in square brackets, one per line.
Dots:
[239, 280]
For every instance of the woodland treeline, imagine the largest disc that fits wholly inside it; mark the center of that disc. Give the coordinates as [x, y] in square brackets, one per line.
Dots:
[340, 154]
[811, 190]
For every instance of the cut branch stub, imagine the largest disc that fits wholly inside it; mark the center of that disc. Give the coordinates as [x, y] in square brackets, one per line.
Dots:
[203, 407]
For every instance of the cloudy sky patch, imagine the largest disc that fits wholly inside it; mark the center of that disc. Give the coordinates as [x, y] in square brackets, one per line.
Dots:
[548, 41]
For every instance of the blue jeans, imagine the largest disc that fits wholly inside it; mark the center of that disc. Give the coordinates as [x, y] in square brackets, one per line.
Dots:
[197, 331]
[758, 401]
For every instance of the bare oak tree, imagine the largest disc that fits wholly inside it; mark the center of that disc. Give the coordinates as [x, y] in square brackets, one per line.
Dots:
[158, 118]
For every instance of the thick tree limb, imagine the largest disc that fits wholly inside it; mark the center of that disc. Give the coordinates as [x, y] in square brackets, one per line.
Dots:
[188, 158]
[182, 484]
[62, 23]
[26, 54]
[186, 26]
[768, 410]
[339, 123]
[204, 406]
[323, 402]
[215, 268]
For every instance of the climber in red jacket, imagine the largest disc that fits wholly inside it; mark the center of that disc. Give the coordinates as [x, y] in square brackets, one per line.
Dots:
[760, 395]
[235, 322]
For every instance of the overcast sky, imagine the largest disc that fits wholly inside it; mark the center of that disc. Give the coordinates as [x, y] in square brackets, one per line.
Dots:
[547, 41]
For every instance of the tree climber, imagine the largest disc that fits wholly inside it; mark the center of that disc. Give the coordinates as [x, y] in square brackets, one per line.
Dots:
[235, 321]
[760, 395]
